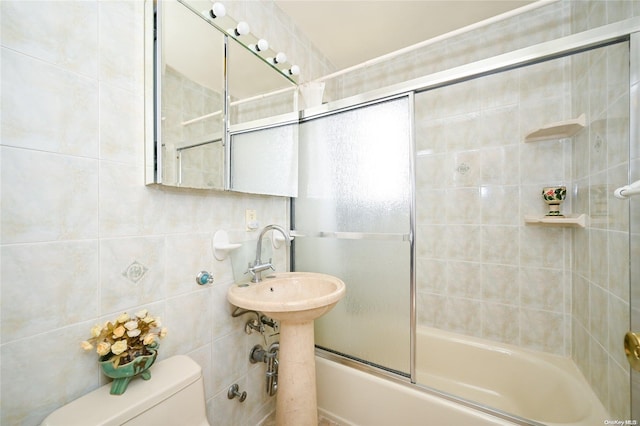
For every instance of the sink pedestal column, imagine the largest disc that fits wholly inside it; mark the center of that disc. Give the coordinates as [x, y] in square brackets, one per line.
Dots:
[296, 402]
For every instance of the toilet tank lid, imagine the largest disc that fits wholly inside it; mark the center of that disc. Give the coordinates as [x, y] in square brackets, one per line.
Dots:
[101, 408]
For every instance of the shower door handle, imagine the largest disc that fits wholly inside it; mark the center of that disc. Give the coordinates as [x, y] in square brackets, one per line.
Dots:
[632, 349]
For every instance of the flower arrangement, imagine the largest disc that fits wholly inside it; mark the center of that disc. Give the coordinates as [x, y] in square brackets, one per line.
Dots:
[126, 338]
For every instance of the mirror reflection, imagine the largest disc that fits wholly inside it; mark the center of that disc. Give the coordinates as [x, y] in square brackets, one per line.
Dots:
[271, 152]
[191, 99]
[257, 90]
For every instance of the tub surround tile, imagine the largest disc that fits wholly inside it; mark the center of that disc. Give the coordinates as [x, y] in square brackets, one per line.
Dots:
[497, 205]
[501, 323]
[619, 391]
[543, 330]
[618, 325]
[599, 372]
[542, 289]
[500, 283]
[463, 279]
[500, 244]
[539, 247]
[431, 275]
[462, 206]
[500, 166]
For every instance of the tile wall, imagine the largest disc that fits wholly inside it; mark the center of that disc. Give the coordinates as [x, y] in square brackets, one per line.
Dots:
[481, 270]
[83, 238]
[600, 266]
[183, 100]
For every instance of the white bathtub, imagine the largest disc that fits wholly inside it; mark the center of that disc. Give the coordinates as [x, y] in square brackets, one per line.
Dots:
[536, 386]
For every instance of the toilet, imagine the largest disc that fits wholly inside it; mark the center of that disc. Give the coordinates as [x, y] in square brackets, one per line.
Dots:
[173, 396]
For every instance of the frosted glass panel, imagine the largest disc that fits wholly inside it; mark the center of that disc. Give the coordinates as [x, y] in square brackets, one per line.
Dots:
[356, 170]
[265, 161]
[353, 207]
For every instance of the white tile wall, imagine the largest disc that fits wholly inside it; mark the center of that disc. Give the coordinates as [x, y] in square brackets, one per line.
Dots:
[83, 238]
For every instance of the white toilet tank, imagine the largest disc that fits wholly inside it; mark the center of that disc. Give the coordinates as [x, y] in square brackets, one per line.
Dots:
[174, 396]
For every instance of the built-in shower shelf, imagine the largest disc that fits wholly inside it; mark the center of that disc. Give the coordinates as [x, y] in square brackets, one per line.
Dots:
[560, 130]
[571, 220]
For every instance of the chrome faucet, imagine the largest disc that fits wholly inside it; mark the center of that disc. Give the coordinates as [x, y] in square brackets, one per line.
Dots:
[257, 267]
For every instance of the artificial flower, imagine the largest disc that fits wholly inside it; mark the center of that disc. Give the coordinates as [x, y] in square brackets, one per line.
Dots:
[118, 332]
[130, 325]
[149, 339]
[126, 338]
[103, 348]
[118, 347]
[95, 330]
[134, 333]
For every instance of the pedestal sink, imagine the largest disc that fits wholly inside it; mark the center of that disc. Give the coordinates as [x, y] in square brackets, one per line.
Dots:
[296, 299]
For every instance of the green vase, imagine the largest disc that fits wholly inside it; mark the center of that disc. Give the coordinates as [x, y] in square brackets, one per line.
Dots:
[123, 374]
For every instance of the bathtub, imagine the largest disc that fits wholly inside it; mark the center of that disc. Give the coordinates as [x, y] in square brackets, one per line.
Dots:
[537, 386]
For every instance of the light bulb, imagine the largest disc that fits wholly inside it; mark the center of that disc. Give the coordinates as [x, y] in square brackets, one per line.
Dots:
[242, 28]
[217, 10]
[280, 58]
[294, 70]
[262, 45]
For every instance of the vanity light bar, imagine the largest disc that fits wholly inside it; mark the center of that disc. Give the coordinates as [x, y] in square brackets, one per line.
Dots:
[261, 46]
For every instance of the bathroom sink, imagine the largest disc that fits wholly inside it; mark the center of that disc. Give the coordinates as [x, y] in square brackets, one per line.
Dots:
[295, 299]
[297, 296]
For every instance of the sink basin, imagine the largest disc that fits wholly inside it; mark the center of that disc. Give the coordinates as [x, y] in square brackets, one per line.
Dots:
[288, 296]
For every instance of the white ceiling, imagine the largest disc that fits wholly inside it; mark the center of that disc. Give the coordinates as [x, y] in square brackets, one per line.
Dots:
[349, 32]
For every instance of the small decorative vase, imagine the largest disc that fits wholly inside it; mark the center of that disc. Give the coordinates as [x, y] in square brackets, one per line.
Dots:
[124, 373]
[554, 196]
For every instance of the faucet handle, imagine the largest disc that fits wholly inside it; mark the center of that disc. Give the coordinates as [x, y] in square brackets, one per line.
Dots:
[250, 270]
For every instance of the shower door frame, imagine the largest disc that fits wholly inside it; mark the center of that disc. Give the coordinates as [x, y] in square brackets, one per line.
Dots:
[634, 204]
[363, 102]
[591, 39]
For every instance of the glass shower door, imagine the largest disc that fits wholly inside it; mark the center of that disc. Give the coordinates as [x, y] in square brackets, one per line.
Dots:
[353, 215]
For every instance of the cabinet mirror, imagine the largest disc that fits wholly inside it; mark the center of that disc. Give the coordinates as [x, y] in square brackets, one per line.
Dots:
[207, 87]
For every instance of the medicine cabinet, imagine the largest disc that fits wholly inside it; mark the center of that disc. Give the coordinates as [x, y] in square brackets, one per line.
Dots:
[203, 85]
